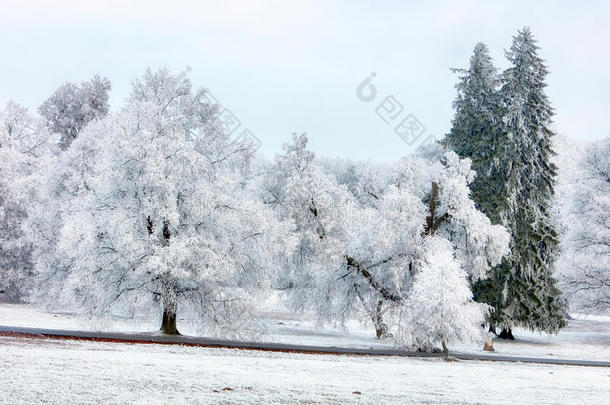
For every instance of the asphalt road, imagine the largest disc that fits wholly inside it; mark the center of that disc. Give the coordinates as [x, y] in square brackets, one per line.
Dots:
[274, 347]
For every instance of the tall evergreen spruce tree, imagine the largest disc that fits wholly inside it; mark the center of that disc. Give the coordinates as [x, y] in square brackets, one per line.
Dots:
[478, 133]
[531, 296]
[507, 135]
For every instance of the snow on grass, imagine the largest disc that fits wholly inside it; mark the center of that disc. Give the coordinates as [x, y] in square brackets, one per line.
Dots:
[64, 371]
[585, 337]
[28, 316]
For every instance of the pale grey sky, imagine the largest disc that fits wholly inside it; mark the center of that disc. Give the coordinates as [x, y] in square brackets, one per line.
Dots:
[284, 66]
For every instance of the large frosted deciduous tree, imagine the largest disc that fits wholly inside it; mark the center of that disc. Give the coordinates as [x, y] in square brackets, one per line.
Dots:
[156, 215]
[73, 106]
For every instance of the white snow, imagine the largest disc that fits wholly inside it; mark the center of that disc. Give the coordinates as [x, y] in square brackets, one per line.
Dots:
[64, 371]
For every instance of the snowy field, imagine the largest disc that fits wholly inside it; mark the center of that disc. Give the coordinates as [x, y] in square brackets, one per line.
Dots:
[64, 371]
[585, 338]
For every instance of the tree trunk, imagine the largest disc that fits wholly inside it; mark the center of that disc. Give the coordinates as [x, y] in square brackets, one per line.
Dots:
[170, 307]
[381, 329]
[507, 333]
[445, 351]
[168, 324]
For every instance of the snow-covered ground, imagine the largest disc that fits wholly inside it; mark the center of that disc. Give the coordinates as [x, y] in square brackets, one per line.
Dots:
[585, 338]
[64, 371]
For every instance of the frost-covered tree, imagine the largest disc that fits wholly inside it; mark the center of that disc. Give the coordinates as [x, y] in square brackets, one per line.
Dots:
[154, 216]
[440, 308]
[386, 242]
[585, 257]
[302, 194]
[524, 286]
[73, 106]
[24, 148]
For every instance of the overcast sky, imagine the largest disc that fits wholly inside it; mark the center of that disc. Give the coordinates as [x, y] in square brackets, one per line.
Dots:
[284, 66]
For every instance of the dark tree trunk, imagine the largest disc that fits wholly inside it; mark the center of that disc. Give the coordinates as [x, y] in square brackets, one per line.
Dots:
[433, 223]
[445, 350]
[168, 287]
[506, 333]
[168, 324]
[170, 307]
